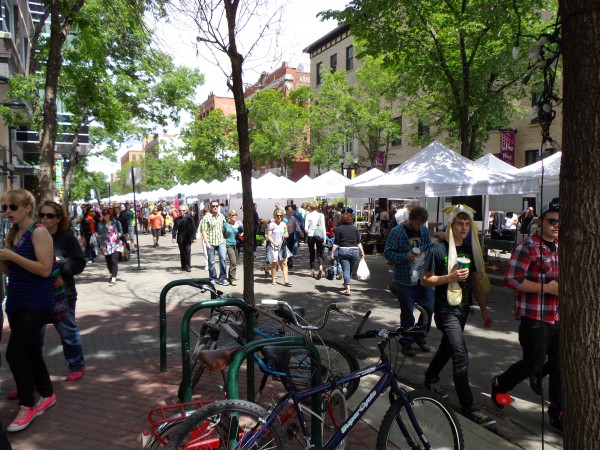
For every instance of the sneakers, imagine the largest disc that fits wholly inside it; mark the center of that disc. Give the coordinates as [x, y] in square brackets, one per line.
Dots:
[556, 420]
[24, 417]
[499, 399]
[43, 404]
[424, 346]
[112, 281]
[408, 350]
[479, 417]
[435, 388]
[232, 283]
[222, 282]
[76, 375]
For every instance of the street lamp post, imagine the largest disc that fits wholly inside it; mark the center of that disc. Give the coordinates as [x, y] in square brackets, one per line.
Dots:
[348, 167]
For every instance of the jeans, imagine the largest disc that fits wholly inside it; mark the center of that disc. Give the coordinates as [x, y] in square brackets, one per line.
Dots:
[453, 346]
[70, 338]
[232, 256]
[185, 255]
[538, 339]
[112, 262]
[212, 272]
[24, 355]
[315, 252]
[347, 257]
[408, 296]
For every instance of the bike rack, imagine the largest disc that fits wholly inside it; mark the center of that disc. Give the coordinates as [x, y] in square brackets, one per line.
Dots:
[162, 307]
[246, 352]
[186, 376]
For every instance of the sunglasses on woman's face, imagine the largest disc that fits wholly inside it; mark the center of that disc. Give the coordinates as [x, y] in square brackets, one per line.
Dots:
[11, 206]
[48, 216]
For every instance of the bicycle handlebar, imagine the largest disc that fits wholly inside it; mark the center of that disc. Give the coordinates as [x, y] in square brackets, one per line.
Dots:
[384, 333]
[331, 307]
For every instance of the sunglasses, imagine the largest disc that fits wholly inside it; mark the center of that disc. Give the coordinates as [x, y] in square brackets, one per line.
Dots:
[214, 206]
[48, 216]
[11, 206]
[552, 222]
[278, 215]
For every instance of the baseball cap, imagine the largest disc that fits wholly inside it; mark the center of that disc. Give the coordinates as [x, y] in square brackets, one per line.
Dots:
[552, 206]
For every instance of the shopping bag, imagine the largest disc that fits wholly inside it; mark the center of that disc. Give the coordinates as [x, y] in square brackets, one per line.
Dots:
[363, 273]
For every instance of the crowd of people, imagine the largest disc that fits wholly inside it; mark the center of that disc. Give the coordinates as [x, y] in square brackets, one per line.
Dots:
[443, 278]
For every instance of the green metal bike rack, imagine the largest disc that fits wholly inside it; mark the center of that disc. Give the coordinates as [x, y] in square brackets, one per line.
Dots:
[162, 306]
[186, 376]
[247, 350]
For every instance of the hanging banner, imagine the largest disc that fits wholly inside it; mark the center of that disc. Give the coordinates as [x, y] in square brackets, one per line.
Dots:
[378, 158]
[507, 146]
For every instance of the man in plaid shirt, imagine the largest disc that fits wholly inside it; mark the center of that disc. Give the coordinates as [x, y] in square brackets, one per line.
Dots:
[533, 273]
[211, 227]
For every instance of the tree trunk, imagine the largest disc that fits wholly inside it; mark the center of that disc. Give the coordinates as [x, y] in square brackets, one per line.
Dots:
[237, 88]
[580, 222]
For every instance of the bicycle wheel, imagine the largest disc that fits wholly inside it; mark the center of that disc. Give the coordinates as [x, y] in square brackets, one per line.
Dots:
[437, 420]
[216, 425]
[334, 416]
[337, 359]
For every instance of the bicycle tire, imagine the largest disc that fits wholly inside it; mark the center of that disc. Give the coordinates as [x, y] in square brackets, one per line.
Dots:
[339, 360]
[207, 427]
[334, 416]
[165, 431]
[438, 421]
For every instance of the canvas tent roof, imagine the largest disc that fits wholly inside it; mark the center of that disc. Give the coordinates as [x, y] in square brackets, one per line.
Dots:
[437, 171]
[551, 166]
[493, 162]
[330, 184]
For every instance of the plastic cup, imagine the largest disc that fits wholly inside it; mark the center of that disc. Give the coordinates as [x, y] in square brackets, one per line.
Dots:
[463, 263]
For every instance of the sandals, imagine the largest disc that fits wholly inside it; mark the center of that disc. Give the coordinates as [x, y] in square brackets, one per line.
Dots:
[347, 293]
[319, 274]
[288, 284]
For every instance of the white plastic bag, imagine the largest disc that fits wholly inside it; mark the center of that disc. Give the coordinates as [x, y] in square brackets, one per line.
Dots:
[363, 273]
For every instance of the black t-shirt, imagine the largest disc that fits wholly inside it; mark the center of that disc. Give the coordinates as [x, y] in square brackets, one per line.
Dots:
[436, 262]
[346, 236]
[414, 237]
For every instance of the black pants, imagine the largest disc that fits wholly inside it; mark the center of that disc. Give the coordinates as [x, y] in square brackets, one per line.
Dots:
[112, 262]
[453, 346]
[185, 255]
[315, 252]
[538, 340]
[88, 251]
[24, 355]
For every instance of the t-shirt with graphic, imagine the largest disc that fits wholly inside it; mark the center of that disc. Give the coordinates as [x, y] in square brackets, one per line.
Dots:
[436, 262]
[414, 237]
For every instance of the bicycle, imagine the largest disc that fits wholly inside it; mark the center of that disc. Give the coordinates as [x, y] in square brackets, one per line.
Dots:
[419, 419]
[335, 356]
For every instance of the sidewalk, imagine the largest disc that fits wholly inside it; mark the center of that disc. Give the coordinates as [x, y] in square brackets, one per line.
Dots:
[119, 325]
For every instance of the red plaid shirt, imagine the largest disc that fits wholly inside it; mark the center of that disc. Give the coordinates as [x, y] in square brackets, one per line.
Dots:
[524, 265]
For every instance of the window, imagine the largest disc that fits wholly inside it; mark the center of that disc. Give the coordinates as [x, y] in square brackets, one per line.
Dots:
[392, 167]
[350, 57]
[423, 129]
[532, 156]
[333, 62]
[319, 73]
[349, 145]
[397, 140]
[6, 22]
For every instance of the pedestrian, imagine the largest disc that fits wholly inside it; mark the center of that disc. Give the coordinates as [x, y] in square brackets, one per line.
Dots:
[256, 223]
[70, 262]
[347, 243]
[526, 220]
[111, 245]
[294, 234]
[455, 288]
[277, 252]
[234, 230]
[211, 227]
[314, 220]
[27, 260]
[127, 219]
[533, 273]
[406, 247]
[87, 229]
[184, 233]
[156, 222]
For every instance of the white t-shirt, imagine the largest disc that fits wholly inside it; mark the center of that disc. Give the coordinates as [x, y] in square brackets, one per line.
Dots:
[313, 219]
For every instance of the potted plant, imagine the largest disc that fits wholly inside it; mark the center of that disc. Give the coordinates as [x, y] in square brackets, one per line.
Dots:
[380, 243]
[368, 244]
[260, 240]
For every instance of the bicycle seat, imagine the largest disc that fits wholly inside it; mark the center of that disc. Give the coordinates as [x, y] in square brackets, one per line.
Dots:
[285, 314]
[280, 355]
[217, 359]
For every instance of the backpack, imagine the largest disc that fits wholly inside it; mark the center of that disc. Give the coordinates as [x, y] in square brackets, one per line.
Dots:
[59, 295]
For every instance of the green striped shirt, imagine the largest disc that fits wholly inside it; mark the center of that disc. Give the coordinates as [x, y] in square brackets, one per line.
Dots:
[213, 226]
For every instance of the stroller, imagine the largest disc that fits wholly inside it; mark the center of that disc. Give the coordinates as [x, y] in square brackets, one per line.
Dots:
[335, 269]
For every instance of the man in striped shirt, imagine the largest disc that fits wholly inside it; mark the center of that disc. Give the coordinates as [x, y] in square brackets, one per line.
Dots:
[211, 228]
[533, 273]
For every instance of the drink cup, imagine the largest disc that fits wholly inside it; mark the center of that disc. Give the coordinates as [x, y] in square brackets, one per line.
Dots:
[463, 263]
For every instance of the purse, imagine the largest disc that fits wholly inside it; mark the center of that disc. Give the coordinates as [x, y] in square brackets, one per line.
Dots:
[319, 233]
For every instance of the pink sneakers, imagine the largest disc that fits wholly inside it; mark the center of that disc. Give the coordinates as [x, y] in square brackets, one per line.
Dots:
[76, 375]
[24, 417]
[43, 404]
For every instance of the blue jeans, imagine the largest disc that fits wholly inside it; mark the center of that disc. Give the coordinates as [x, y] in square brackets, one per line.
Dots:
[408, 296]
[70, 338]
[212, 272]
[347, 257]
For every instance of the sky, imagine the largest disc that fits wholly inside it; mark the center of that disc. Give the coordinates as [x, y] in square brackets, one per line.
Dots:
[296, 28]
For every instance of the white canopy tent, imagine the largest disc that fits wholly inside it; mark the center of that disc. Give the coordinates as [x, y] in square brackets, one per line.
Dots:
[492, 162]
[367, 176]
[330, 184]
[270, 186]
[199, 188]
[437, 171]
[551, 166]
[305, 185]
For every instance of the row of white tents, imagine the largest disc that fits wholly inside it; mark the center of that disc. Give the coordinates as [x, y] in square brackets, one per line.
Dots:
[436, 171]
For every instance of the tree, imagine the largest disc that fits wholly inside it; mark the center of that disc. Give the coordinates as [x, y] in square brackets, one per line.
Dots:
[279, 130]
[453, 58]
[86, 181]
[210, 148]
[579, 220]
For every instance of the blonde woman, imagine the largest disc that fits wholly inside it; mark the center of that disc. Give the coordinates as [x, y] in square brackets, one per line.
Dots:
[277, 251]
[234, 230]
[27, 260]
